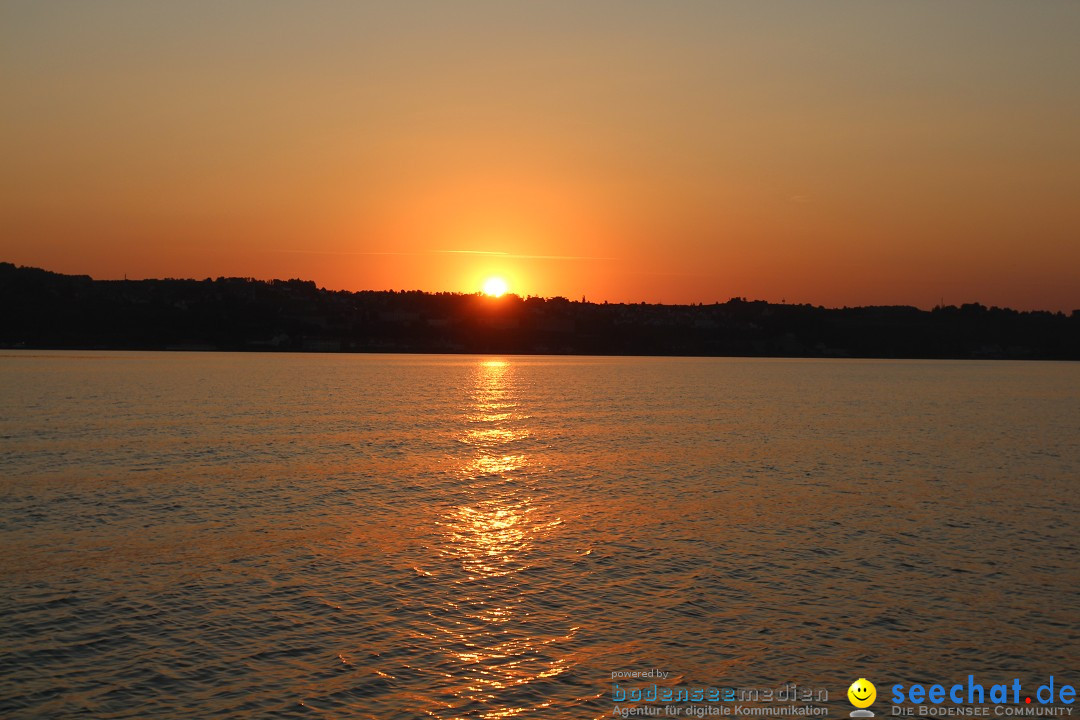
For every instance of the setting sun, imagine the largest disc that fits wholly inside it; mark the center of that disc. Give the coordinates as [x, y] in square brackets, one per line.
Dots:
[495, 287]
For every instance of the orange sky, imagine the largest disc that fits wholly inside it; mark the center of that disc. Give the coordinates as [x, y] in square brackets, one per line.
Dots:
[830, 152]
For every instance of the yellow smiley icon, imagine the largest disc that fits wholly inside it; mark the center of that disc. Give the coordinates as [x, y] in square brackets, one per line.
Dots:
[862, 693]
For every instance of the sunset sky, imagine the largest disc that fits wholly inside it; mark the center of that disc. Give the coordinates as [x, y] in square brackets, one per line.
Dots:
[837, 153]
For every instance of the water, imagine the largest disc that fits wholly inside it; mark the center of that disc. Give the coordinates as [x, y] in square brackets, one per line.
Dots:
[242, 536]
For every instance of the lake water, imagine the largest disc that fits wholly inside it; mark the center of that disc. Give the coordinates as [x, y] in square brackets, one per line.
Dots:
[364, 536]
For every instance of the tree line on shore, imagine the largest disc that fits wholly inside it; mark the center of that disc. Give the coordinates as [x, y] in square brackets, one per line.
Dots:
[42, 309]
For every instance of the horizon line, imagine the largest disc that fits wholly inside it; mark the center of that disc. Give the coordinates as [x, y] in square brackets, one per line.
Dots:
[782, 303]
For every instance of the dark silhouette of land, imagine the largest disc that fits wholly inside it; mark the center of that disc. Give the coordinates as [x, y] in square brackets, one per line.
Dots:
[41, 309]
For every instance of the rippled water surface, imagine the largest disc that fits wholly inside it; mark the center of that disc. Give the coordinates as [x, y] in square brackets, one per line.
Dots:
[216, 535]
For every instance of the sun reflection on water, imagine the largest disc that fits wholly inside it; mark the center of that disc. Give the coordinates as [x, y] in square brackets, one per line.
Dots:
[488, 635]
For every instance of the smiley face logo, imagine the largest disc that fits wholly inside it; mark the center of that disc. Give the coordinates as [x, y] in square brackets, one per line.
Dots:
[862, 693]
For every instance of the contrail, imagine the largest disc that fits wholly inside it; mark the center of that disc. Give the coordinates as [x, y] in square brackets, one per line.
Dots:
[526, 257]
[495, 253]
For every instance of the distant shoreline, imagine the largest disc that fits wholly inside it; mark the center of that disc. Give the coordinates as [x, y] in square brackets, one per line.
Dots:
[42, 310]
[6, 351]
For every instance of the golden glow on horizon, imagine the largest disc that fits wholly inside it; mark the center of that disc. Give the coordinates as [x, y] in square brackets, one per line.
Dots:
[495, 287]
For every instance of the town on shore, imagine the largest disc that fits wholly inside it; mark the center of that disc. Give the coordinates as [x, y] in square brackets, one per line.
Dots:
[45, 310]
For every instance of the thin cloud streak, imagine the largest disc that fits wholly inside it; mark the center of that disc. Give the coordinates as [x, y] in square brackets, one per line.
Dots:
[525, 257]
[494, 253]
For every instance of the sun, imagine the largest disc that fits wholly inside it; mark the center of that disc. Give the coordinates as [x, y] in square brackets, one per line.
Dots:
[495, 287]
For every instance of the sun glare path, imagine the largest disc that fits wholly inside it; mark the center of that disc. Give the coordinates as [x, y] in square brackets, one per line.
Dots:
[495, 287]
